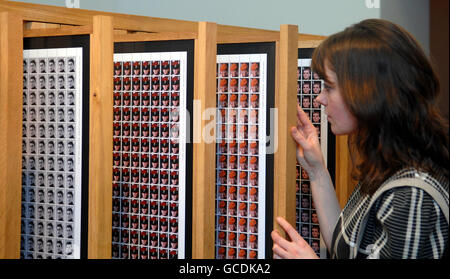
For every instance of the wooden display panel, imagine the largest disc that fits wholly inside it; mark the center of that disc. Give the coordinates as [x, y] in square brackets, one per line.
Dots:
[42, 20]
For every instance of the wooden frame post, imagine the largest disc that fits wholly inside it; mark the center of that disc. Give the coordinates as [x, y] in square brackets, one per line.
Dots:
[285, 102]
[100, 139]
[204, 152]
[11, 57]
[344, 184]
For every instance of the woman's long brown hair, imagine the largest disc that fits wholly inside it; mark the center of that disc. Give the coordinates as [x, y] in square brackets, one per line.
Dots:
[390, 87]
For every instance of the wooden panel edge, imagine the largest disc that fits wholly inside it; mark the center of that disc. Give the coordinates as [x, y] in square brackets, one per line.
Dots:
[203, 228]
[11, 57]
[165, 36]
[344, 182]
[100, 139]
[62, 31]
[309, 44]
[284, 158]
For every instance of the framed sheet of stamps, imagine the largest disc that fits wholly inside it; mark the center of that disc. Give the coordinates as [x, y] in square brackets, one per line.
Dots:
[244, 96]
[309, 86]
[152, 173]
[55, 83]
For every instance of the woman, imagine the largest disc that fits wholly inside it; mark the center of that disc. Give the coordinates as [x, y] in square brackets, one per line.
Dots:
[381, 90]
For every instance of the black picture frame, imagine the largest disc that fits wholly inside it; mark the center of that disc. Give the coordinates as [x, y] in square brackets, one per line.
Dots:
[306, 53]
[269, 49]
[175, 46]
[72, 41]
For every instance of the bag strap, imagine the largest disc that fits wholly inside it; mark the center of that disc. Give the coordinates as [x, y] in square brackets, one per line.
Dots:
[419, 183]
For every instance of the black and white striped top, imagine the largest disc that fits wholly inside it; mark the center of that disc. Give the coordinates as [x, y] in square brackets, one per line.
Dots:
[404, 222]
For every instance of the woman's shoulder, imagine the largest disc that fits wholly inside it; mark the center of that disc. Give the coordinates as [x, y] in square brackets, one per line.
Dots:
[411, 188]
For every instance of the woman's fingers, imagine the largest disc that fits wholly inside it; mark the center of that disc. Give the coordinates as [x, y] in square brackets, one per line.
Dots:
[280, 253]
[299, 125]
[304, 124]
[293, 234]
[280, 246]
[298, 136]
[303, 117]
[301, 141]
[298, 248]
[279, 240]
[276, 256]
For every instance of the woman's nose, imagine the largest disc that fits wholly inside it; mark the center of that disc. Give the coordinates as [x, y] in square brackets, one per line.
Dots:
[321, 99]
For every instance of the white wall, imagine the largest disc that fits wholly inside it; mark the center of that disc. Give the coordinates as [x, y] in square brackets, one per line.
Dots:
[320, 17]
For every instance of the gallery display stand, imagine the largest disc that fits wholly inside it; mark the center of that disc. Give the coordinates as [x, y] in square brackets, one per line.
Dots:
[19, 21]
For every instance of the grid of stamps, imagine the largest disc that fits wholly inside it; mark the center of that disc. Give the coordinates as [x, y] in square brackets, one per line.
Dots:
[148, 155]
[309, 87]
[240, 165]
[51, 153]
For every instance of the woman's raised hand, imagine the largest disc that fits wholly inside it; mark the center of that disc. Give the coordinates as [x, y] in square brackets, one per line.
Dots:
[309, 152]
